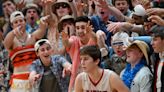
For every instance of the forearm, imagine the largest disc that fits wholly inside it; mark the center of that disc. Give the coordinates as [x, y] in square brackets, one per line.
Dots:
[73, 9]
[115, 12]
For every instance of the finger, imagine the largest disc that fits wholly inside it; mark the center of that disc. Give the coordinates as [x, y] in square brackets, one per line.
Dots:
[63, 73]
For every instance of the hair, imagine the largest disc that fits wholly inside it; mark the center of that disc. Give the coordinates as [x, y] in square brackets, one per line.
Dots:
[157, 31]
[82, 19]
[93, 51]
[3, 1]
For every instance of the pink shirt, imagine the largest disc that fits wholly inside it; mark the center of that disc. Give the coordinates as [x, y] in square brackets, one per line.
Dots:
[74, 52]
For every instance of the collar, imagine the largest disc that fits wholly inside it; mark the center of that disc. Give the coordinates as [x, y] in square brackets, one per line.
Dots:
[161, 56]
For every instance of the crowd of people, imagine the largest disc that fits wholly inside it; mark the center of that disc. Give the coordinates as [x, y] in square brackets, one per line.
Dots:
[81, 46]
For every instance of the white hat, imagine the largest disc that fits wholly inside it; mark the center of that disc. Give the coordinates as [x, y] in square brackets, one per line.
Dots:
[139, 10]
[15, 15]
[38, 43]
[121, 37]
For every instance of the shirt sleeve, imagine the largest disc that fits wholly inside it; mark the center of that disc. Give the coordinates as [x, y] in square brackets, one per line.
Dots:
[33, 66]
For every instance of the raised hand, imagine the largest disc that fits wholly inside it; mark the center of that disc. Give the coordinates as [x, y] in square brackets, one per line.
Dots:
[17, 32]
[21, 4]
[156, 19]
[154, 11]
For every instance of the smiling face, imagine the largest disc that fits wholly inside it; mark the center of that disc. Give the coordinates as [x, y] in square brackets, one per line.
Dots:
[134, 54]
[44, 52]
[62, 9]
[81, 30]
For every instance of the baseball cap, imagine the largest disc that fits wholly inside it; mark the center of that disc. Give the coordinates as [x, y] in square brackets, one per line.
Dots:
[16, 15]
[139, 10]
[40, 43]
[63, 19]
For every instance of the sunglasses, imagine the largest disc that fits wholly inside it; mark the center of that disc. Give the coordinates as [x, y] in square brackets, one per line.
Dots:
[117, 43]
[63, 5]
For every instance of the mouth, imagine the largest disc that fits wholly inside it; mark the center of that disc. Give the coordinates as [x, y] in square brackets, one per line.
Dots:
[102, 12]
[122, 10]
[32, 18]
[46, 56]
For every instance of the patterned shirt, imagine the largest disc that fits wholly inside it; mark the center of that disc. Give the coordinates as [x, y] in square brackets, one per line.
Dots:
[56, 68]
[4, 65]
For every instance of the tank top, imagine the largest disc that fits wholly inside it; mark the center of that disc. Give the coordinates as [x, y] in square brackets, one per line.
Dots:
[102, 86]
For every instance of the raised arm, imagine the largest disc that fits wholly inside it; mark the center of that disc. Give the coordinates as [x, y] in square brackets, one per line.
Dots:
[40, 32]
[111, 9]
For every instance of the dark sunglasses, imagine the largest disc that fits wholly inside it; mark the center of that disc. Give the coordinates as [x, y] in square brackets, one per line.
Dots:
[63, 5]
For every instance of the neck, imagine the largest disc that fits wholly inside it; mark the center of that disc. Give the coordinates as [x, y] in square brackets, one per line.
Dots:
[84, 41]
[96, 74]
[133, 64]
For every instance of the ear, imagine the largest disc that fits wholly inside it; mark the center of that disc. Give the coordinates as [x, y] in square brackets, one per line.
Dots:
[97, 61]
[37, 53]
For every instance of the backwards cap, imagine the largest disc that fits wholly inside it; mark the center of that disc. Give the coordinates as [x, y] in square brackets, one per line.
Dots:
[38, 43]
[16, 15]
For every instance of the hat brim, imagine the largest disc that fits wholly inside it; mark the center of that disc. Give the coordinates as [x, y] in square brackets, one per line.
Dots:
[53, 6]
[143, 47]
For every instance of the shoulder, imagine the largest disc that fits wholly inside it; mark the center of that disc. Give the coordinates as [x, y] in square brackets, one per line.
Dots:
[36, 62]
[144, 71]
[144, 74]
[58, 58]
[80, 77]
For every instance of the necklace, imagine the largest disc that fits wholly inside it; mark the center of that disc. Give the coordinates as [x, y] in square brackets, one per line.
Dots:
[23, 40]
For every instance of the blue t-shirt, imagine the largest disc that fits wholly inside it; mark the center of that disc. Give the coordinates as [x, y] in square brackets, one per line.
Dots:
[98, 24]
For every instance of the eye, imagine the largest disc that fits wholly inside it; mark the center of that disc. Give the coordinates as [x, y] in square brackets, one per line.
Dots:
[83, 27]
[77, 27]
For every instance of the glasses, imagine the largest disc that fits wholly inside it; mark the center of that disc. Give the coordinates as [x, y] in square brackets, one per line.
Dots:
[117, 43]
[63, 5]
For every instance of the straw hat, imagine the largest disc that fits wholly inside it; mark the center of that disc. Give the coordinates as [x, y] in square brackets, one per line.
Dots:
[61, 1]
[143, 47]
[65, 18]
[31, 6]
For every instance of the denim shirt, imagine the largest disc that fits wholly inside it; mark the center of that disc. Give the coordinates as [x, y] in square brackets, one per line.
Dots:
[56, 67]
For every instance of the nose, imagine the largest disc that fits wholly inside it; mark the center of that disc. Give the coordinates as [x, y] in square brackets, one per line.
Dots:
[82, 62]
